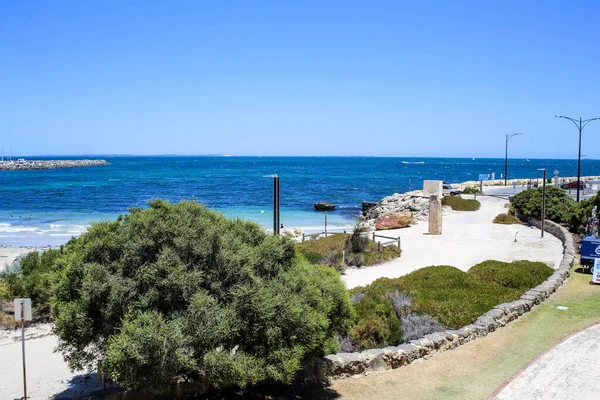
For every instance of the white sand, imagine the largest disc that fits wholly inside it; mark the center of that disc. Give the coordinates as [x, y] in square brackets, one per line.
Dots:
[9, 254]
[468, 238]
[47, 373]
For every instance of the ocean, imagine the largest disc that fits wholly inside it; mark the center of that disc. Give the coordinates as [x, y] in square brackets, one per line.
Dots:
[48, 207]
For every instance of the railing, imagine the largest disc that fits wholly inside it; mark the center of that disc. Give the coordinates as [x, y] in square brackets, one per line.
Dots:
[392, 240]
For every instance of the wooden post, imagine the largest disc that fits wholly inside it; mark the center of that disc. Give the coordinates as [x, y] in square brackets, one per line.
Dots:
[435, 215]
[379, 247]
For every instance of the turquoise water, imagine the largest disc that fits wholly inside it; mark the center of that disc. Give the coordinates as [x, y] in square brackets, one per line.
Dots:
[63, 202]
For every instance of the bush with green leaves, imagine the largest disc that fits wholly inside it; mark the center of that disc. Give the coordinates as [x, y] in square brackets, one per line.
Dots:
[34, 276]
[459, 204]
[176, 291]
[328, 251]
[582, 212]
[559, 205]
[471, 190]
[506, 219]
[429, 299]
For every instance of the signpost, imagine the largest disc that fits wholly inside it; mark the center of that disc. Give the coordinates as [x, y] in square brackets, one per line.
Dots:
[483, 177]
[23, 309]
[596, 271]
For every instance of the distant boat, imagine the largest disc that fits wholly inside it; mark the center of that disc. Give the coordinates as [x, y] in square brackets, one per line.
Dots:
[473, 158]
[413, 162]
[527, 160]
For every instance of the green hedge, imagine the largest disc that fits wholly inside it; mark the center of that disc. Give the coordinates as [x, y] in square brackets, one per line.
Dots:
[559, 205]
[459, 204]
[452, 297]
[506, 219]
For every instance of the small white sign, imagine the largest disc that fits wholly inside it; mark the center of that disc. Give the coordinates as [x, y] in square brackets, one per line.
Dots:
[596, 271]
[26, 309]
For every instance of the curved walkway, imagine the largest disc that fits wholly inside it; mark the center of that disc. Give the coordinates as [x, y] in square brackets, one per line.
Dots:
[568, 370]
[468, 238]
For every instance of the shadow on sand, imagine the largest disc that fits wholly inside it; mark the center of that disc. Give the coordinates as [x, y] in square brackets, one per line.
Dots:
[88, 387]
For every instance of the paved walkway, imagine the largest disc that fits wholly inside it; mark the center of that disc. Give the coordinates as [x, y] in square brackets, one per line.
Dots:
[569, 370]
[468, 238]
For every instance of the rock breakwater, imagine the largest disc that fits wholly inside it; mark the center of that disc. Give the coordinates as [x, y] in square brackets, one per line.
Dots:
[415, 202]
[49, 164]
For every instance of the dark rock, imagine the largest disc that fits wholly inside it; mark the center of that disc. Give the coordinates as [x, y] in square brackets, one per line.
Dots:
[324, 206]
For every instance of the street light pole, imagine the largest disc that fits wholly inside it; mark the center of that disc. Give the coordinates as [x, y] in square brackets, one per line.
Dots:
[580, 124]
[508, 137]
[543, 200]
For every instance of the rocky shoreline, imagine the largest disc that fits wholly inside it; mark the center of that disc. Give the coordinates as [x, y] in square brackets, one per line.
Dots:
[23, 165]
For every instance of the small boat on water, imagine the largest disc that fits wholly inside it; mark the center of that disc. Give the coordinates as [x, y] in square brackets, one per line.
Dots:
[413, 162]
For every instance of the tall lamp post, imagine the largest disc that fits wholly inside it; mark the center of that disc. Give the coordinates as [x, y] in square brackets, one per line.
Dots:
[580, 124]
[508, 137]
[543, 200]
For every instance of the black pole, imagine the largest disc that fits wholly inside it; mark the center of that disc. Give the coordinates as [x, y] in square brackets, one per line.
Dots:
[544, 202]
[506, 161]
[276, 203]
[579, 161]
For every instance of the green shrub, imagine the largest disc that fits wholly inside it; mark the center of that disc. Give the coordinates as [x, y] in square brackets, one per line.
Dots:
[5, 293]
[521, 275]
[32, 275]
[559, 205]
[328, 251]
[582, 212]
[176, 291]
[444, 294]
[471, 190]
[506, 219]
[459, 204]
[357, 242]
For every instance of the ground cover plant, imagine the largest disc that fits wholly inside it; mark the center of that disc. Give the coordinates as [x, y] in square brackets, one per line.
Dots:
[471, 190]
[391, 311]
[176, 291]
[506, 219]
[559, 205]
[459, 204]
[359, 251]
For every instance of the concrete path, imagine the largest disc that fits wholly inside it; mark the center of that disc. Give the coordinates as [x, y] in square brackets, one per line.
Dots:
[468, 238]
[569, 370]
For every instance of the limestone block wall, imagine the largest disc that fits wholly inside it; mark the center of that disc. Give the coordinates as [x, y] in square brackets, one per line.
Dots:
[342, 365]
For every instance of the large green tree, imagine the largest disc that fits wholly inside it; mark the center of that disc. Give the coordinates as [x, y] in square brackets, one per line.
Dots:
[178, 291]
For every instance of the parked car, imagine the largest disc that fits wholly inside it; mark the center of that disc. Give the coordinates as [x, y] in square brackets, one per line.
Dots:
[573, 185]
[449, 191]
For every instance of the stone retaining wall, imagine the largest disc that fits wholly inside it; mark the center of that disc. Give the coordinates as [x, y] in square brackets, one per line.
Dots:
[343, 365]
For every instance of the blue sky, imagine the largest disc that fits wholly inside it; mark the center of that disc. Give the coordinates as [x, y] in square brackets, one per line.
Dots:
[299, 78]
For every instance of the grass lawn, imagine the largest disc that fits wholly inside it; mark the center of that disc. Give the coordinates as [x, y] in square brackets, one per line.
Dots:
[477, 369]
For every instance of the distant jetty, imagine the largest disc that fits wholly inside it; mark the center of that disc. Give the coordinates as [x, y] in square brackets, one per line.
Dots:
[23, 165]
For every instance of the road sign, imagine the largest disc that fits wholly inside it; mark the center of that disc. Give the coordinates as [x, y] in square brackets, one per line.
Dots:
[596, 271]
[484, 177]
[26, 309]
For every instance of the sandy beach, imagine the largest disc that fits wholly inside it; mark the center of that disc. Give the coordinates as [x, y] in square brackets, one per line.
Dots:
[9, 254]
